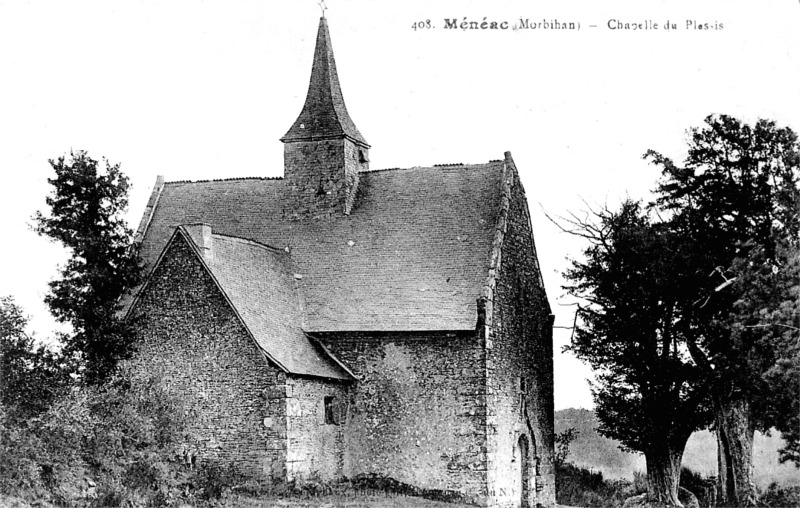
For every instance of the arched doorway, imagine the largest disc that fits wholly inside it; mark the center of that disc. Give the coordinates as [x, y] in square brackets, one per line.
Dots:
[525, 471]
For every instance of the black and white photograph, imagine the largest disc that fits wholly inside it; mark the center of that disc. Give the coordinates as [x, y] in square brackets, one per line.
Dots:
[350, 253]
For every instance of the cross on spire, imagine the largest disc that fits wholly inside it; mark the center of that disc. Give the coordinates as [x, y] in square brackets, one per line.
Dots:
[322, 7]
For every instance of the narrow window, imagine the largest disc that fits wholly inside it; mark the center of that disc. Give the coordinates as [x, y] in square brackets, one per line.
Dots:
[330, 414]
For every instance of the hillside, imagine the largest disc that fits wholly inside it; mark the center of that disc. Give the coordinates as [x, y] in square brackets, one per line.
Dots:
[595, 452]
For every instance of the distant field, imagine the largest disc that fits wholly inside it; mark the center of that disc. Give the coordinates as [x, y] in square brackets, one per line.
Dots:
[592, 451]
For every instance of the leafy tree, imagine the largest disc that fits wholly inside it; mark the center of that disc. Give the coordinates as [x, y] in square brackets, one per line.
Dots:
[31, 376]
[735, 199]
[85, 215]
[767, 315]
[647, 395]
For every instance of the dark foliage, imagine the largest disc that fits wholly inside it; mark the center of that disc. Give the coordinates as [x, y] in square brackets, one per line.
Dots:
[374, 482]
[781, 497]
[703, 488]
[31, 376]
[115, 445]
[738, 184]
[212, 480]
[697, 312]
[84, 214]
[648, 394]
[736, 201]
[764, 326]
[563, 440]
[635, 280]
[576, 486]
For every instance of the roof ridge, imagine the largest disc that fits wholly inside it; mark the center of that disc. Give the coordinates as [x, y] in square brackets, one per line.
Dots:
[267, 178]
[439, 166]
[255, 243]
[235, 179]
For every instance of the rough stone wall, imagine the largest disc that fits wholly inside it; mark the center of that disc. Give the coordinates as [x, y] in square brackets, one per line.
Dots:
[188, 333]
[520, 364]
[356, 160]
[315, 448]
[417, 413]
[322, 176]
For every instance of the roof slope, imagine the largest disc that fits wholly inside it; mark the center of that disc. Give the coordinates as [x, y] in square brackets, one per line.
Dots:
[324, 113]
[259, 283]
[412, 256]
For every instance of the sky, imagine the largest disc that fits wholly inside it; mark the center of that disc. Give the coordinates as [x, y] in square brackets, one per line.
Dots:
[204, 89]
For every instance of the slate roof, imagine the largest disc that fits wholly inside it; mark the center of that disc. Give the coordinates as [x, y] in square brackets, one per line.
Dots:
[324, 113]
[260, 285]
[412, 256]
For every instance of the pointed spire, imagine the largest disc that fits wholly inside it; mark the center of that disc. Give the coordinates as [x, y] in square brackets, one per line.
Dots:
[324, 114]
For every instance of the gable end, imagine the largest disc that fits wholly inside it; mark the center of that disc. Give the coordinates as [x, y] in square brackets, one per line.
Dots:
[181, 235]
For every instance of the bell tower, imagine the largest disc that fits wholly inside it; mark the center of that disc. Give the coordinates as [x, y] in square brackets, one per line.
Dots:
[323, 150]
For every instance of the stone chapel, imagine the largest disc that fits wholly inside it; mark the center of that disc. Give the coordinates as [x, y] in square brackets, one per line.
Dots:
[343, 321]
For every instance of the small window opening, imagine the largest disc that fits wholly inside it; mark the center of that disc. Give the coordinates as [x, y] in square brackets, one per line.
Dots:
[330, 412]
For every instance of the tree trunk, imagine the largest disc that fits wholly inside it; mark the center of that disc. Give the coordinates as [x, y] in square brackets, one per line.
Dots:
[735, 431]
[664, 475]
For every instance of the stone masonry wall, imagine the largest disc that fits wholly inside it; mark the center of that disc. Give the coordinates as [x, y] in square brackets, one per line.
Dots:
[188, 333]
[322, 176]
[520, 366]
[315, 447]
[417, 413]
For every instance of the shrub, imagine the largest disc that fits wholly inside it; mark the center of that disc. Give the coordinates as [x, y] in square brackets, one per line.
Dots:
[639, 482]
[20, 450]
[783, 497]
[579, 487]
[31, 375]
[117, 443]
[576, 486]
[704, 488]
[563, 440]
[212, 480]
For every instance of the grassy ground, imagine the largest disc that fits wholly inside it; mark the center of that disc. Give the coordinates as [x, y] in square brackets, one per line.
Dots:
[352, 500]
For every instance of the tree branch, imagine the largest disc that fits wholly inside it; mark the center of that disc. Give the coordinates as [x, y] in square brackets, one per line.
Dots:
[772, 324]
[700, 358]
